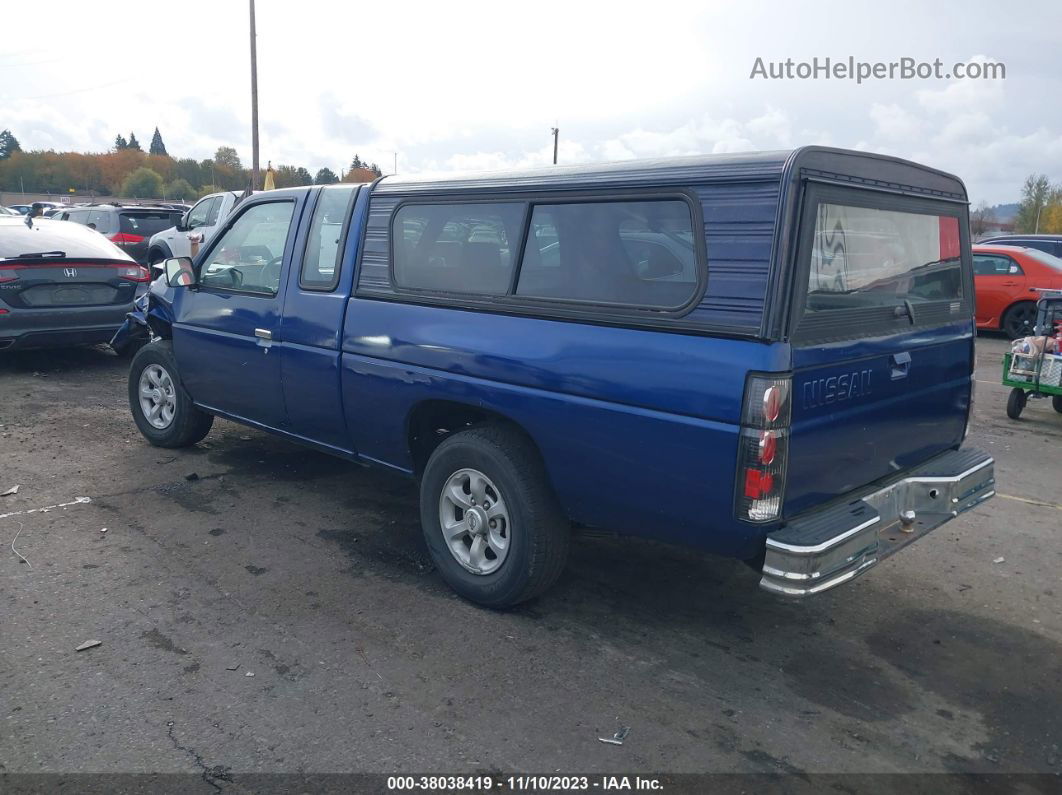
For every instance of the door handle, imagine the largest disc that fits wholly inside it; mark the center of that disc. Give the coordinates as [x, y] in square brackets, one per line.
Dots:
[899, 364]
[263, 333]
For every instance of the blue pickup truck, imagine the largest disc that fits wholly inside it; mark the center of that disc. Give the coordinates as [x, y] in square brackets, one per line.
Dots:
[767, 356]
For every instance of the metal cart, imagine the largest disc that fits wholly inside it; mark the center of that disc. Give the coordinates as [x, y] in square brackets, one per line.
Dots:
[1037, 374]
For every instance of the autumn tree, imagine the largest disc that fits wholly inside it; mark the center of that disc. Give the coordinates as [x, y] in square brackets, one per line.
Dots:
[157, 146]
[8, 144]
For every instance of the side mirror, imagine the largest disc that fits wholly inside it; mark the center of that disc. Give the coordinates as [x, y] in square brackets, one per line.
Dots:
[182, 223]
[179, 272]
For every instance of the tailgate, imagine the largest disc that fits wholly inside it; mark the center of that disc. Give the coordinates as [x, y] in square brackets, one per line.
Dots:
[865, 410]
[883, 340]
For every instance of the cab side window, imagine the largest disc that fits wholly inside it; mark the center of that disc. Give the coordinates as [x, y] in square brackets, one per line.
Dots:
[249, 256]
[320, 262]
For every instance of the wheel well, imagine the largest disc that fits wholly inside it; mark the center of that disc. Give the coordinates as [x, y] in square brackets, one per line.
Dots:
[1007, 310]
[432, 421]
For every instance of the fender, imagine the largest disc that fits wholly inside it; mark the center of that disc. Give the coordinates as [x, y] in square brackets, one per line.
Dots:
[152, 316]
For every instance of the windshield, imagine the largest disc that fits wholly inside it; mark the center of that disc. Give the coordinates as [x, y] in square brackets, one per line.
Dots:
[866, 257]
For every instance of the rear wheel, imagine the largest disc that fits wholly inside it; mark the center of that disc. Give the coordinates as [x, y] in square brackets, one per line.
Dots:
[1056, 403]
[491, 521]
[161, 408]
[1016, 403]
[1018, 321]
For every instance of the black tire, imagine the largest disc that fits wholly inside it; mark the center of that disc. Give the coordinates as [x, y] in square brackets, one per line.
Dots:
[188, 424]
[1016, 402]
[538, 531]
[1056, 403]
[1019, 320]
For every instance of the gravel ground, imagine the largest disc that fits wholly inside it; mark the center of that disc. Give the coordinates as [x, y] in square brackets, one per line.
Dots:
[277, 612]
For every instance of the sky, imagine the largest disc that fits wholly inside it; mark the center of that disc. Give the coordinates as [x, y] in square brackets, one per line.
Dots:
[478, 85]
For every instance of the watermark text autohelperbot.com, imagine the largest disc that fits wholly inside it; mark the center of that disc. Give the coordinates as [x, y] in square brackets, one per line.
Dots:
[861, 71]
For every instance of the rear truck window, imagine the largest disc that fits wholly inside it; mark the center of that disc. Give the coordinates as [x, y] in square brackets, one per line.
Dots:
[631, 253]
[457, 248]
[144, 225]
[863, 257]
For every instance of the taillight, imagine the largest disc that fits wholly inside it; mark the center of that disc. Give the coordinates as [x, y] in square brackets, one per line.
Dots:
[125, 237]
[763, 451]
[4, 312]
[134, 273]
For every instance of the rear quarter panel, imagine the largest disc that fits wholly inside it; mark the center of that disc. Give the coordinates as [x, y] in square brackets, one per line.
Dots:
[638, 429]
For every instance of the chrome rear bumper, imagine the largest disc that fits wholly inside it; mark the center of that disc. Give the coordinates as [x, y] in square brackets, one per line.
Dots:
[817, 551]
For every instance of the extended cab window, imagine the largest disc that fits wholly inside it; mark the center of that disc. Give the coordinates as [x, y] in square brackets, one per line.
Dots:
[320, 263]
[865, 257]
[250, 255]
[457, 248]
[636, 253]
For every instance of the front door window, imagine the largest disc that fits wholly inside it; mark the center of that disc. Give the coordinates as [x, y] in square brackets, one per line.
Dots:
[249, 256]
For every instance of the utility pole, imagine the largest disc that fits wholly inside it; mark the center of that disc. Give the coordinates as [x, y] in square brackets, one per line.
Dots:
[556, 132]
[254, 104]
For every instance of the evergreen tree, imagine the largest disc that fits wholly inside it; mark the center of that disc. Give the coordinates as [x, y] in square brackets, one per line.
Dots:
[120, 143]
[325, 176]
[357, 163]
[157, 146]
[302, 176]
[8, 144]
[134, 143]
[375, 169]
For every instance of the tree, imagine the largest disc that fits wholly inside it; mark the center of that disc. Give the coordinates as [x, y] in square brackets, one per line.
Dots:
[142, 184]
[325, 176]
[375, 169]
[357, 163]
[120, 143]
[981, 220]
[1034, 195]
[226, 156]
[134, 143]
[180, 189]
[157, 146]
[8, 144]
[302, 176]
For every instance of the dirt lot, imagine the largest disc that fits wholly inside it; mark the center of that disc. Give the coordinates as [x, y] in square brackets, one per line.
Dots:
[309, 573]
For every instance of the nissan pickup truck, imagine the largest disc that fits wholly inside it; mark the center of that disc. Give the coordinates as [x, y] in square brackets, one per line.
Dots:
[767, 356]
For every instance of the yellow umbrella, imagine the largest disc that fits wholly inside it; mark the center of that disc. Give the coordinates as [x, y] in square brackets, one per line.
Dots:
[268, 184]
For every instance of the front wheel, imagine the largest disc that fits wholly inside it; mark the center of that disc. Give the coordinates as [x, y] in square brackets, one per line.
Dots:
[491, 522]
[1016, 403]
[161, 408]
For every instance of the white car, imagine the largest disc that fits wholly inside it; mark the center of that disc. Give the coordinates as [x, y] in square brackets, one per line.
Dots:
[199, 223]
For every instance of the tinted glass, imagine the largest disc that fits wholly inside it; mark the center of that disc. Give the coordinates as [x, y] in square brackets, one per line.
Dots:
[866, 257]
[213, 210]
[46, 235]
[101, 220]
[637, 253]
[146, 224]
[249, 256]
[993, 264]
[320, 263]
[458, 248]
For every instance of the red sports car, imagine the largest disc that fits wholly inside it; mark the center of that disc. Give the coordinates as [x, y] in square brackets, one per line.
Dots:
[1005, 280]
